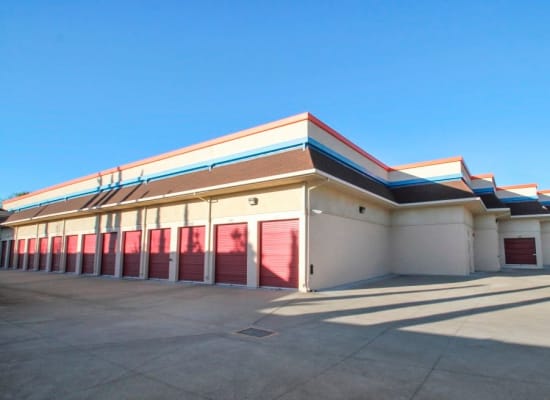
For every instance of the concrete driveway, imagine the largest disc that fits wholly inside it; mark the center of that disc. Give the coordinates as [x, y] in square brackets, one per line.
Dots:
[66, 337]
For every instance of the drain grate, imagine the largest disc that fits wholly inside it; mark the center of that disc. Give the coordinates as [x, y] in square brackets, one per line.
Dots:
[256, 332]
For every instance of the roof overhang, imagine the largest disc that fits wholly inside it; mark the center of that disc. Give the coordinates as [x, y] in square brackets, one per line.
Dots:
[200, 193]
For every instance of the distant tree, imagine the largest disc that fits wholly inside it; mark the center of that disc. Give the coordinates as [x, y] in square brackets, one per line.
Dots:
[16, 194]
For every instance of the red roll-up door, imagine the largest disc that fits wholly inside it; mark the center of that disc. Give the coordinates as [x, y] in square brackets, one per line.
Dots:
[13, 253]
[108, 256]
[71, 245]
[520, 251]
[159, 253]
[31, 251]
[56, 253]
[5, 254]
[132, 253]
[43, 253]
[191, 253]
[231, 244]
[89, 244]
[20, 253]
[279, 253]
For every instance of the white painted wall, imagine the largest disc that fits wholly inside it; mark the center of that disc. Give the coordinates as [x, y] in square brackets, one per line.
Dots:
[486, 250]
[545, 242]
[346, 246]
[431, 241]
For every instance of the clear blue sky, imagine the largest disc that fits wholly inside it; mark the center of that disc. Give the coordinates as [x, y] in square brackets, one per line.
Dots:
[86, 86]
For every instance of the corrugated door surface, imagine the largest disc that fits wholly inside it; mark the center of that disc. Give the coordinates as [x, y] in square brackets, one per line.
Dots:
[279, 253]
[31, 251]
[89, 244]
[191, 257]
[13, 251]
[231, 244]
[108, 254]
[20, 253]
[71, 244]
[159, 253]
[5, 255]
[520, 251]
[42, 253]
[132, 253]
[56, 253]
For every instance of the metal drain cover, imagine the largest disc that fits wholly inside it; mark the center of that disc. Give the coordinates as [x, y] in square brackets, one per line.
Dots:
[256, 332]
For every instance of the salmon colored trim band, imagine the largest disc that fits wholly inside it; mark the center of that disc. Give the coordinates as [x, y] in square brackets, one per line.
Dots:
[346, 141]
[483, 176]
[223, 139]
[428, 163]
[526, 185]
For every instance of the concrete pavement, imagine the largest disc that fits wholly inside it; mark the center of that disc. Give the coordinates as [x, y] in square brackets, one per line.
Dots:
[67, 337]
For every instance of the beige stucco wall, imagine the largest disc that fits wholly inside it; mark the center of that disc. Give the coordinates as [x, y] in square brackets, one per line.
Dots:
[55, 228]
[346, 246]
[26, 231]
[520, 228]
[181, 213]
[486, 247]
[432, 241]
[545, 242]
[272, 200]
[80, 225]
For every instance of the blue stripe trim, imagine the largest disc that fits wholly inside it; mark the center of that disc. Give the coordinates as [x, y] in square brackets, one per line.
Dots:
[248, 155]
[344, 160]
[280, 147]
[545, 203]
[518, 199]
[420, 181]
[484, 190]
[353, 165]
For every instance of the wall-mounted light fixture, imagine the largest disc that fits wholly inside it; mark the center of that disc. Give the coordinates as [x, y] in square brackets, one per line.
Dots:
[253, 201]
[362, 210]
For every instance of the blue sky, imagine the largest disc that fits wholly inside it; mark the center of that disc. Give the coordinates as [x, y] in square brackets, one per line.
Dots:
[86, 86]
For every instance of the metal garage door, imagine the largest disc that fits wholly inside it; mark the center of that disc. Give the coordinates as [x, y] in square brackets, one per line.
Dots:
[520, 251]
[42, 253]
[191, 257]
[71, 243]
[12, 254]
[5, 254]
[31, 251]
[108, 254]
[20, 253]
[89, 244]
[132, 253]
[56, 253]
[159, 253]
[231, 243]
[279, 253]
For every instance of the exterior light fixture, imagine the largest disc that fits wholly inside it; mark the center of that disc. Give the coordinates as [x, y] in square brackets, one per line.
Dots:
[253, 201]
[362, 210]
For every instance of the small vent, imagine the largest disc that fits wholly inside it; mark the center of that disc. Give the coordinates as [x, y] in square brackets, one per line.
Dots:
[255, 332]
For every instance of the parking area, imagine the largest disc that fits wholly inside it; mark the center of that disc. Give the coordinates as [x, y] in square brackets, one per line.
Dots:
[66, 337]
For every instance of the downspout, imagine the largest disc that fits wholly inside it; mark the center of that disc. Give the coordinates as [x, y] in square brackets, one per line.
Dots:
[308, 225]
[209, 238]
